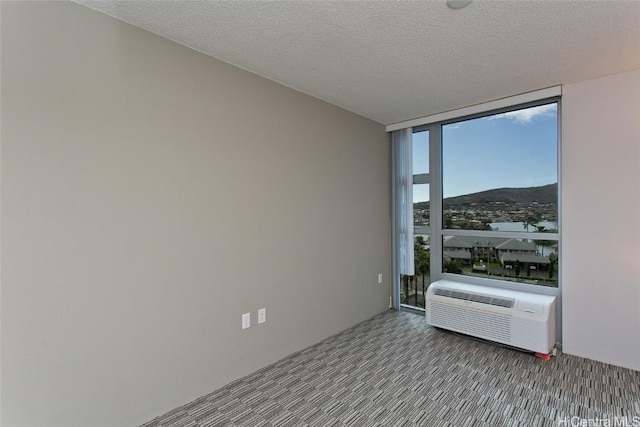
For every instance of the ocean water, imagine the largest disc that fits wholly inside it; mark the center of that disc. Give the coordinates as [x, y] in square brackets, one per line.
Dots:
[519, 226]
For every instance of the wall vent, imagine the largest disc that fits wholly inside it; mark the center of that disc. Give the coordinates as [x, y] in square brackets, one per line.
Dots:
[482, 299]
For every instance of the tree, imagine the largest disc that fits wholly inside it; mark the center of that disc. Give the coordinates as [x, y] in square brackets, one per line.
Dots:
[405, 281]
[553, 259]
[452, 266]
[544, 243]
[448, 222]
[531, 220]
[422, 262]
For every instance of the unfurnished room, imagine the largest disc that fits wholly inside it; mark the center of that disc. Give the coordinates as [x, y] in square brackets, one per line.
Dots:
[319, 213]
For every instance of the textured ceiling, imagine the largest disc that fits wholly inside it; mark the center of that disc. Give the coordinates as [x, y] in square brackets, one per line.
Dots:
[393, 61]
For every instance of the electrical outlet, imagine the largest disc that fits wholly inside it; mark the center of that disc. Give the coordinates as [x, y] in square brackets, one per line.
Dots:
[380, 278]
[246, 320]
[262, 315]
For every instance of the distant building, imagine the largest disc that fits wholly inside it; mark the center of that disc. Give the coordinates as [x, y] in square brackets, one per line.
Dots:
[507, 251]
[533, 262]
[457, 249]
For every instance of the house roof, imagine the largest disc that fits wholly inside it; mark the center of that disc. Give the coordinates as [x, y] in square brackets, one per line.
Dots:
[395, 61]
[457, 254]
[455, 242]
[531, 259]
[483, 242]
[516, 245]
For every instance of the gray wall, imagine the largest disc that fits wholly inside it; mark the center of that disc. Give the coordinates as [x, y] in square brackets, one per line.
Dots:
[150, 196]
[601, 219]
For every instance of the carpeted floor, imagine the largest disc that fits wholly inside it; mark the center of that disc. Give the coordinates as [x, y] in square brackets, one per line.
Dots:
[395, 370]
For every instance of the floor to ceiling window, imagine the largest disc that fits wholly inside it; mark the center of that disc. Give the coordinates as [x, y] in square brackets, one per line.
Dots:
[485, 205]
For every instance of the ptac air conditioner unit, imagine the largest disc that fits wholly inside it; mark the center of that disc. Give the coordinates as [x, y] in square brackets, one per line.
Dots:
[518, 319]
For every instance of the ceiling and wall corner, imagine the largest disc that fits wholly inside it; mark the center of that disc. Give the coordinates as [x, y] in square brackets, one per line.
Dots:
[394, 61]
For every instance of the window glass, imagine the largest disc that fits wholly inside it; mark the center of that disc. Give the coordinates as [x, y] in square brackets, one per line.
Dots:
[413, 288]
[421, 209]
[519, 260]
[500, 172]
[498, 179]
[420, 152]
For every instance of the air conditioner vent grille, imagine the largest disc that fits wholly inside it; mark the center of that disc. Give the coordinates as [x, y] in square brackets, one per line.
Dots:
[468, 296]
[479, 323]
[502, 302]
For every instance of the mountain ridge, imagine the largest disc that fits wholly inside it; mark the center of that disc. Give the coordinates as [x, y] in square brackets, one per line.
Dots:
[545, 194]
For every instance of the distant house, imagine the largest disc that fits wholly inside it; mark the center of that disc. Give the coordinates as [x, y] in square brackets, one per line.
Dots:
[515, 246]
[527, 261]
[508, 252]
[484, 249]
[512, 251]
[457, 249]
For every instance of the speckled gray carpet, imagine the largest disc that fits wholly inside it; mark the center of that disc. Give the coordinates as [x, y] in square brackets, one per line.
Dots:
[395, 370]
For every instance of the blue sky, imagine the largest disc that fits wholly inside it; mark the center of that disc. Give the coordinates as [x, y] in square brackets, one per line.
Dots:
[514, 149]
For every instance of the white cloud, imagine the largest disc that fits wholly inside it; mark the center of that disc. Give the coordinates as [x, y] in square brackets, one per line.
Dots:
[527, 115]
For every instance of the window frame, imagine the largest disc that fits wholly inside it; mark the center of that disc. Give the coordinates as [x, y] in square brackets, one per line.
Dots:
[437, 230]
